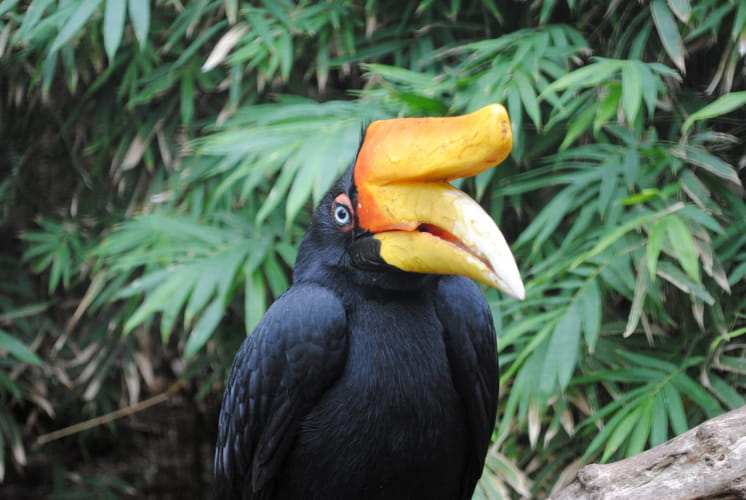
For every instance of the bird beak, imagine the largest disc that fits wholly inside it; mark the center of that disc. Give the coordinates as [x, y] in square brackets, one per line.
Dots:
[423, 223]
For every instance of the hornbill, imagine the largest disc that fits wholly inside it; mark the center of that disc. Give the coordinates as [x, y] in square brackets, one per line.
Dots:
[375, 376]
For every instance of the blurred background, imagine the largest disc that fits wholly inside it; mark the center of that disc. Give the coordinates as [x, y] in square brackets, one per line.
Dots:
[159, 161]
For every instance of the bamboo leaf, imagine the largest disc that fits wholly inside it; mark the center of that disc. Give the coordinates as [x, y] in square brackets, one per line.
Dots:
[174, 302]
[141, 284]
[203, 329]
[675, 407]
[156, 300]
[638, 301]
[114, 18]
[649, 86]
[25, 311]
[187, 99]
[610, 238]
[7, 384]
[680, 280]
[48, 70]
[610, 427]
[726, 393]
[737, 30]
[139, 11]
[518, 328]
[82, 13]
[527, 354]
[631, 91]
[659, 424]
[711, 22]
[551, 215]
[216, 275]
[662, 368]
[18, 349]
[682, 244]
[698, 394]
[609, 185]
[516, 122]
[224, 46]
[681, 8]
[587, 76]
[315, 154]
[699, 194]
[55, 272]
[720, 106]
[31, 18]
[668, 32]
[191, 51]
[276, 278]
[708, 162]
[7, 6]
[579, 125]
[528, 97]
[608, 106]
[592, 308]
[639, 434]
[562, 353]
[279, 190]
[255, 301]
[231, 10]
[285, 49]
[508, 469]
[640, 198]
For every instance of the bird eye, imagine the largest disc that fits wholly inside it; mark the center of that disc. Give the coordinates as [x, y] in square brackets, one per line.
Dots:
[342, 213]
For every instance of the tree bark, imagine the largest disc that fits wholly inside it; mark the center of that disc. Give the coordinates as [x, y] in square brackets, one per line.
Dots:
[706, 462]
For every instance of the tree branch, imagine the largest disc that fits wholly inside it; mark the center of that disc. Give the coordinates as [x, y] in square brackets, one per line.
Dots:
[706, 462]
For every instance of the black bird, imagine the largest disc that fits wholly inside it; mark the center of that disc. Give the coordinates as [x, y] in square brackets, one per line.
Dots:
[375, 376]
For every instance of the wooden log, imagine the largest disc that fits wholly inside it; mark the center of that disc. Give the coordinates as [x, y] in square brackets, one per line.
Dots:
[706, 462]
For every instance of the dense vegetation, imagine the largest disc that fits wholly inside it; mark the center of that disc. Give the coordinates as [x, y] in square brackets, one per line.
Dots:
[159, 161]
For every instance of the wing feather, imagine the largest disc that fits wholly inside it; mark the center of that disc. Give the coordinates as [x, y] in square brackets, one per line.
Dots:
[281, 370]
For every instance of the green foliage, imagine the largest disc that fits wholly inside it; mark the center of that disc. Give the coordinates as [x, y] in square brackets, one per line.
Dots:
[20, 362]
[163, 159]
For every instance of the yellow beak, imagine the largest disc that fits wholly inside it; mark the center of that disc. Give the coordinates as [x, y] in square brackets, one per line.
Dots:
[424, 224]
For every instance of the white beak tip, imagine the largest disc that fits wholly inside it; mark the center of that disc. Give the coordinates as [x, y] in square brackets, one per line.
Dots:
[518, 292]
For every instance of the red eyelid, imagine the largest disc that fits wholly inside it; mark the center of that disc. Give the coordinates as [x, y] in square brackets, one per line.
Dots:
[343, 199]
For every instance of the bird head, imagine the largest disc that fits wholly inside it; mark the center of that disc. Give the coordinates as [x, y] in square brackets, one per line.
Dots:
[395, 211]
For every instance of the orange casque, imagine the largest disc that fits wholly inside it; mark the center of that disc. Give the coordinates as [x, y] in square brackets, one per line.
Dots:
[425, 224]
